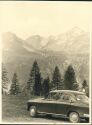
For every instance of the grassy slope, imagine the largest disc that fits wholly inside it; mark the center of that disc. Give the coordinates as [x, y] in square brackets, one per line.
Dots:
[14, 108]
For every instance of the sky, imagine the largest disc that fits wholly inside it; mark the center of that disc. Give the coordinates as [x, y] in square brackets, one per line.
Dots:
[28, 18]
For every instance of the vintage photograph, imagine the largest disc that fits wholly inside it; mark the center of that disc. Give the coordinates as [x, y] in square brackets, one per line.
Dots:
[46, 62]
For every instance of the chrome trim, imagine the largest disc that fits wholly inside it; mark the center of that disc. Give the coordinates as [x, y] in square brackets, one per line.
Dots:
[53, 114]
[86, 115]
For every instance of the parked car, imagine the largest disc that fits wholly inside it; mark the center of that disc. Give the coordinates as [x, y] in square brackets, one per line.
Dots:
[70, 104]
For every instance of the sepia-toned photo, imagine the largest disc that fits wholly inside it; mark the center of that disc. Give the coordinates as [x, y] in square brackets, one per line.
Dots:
[45, 62]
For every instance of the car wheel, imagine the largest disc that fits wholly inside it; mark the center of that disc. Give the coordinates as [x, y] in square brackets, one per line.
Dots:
[87, 119]
[74, 117]
[33, 111]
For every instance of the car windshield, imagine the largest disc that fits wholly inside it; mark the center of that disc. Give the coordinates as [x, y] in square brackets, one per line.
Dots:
[82, 97]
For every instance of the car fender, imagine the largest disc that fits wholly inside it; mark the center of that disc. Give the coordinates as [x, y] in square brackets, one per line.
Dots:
[80, 110]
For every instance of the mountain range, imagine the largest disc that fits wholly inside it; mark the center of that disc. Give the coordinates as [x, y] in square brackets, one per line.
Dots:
[71, 47]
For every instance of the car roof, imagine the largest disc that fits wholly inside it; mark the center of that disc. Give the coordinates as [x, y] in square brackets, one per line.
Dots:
[68, 91]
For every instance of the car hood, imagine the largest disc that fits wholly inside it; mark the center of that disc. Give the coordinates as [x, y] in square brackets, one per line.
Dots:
[81, 104]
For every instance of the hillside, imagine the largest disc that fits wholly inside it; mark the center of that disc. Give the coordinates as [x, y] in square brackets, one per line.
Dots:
[68, 48]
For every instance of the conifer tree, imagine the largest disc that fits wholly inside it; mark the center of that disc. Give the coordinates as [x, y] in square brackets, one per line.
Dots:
[34, 82]
[87, 91]
[5, 79]
[56, 79]
[14, 90]
[69, 78]
[46, 87]
[31, 82]
[85, 87]
[84, 84]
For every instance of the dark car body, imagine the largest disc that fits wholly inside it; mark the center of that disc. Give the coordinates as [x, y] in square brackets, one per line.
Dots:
[62, 102]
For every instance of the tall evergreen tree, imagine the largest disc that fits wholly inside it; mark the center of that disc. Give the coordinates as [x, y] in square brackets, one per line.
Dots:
[56, 79]
[87, 91]
[85, 87]
[34, 82]
[5, 79]
[31, 82]
[46, 87]
[69, 78]
[84, 84]
[14, 90]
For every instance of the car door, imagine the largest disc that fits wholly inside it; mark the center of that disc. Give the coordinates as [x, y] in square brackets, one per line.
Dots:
[62, 105]
[47, 105]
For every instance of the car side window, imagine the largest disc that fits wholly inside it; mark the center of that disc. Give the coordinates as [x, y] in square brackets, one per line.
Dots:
[51, 95]
[65, 97]
[72, 98]
[54, 96]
